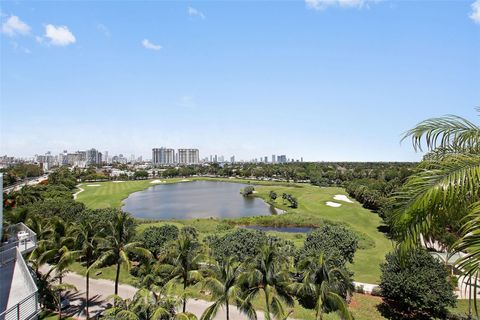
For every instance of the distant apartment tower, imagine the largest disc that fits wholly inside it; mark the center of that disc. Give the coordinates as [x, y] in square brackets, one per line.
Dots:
[232, 159]
[188, 156]
[282, 159]
[63, 158]
[163, 156]
[274, 159]
[93, 157]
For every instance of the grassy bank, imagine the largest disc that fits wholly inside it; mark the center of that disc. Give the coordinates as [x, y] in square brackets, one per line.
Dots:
[312, 211]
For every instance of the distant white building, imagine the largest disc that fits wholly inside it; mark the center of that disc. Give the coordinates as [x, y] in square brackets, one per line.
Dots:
[163, 156]
[188, 156]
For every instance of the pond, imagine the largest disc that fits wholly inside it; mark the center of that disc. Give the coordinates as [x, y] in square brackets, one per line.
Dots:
[195, 199]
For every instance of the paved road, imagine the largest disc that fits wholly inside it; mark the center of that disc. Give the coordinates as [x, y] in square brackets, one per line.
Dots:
[101, 289]
[29, 182]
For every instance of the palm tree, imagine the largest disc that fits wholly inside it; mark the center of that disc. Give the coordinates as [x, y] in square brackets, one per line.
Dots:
[323, 282]
[222, 283]
[446, 188]
[50, 292]
[87, 239]
[118, 244]
[181, 262]
[54, 247]
[268, 273]
[26, 195]
[143, 306]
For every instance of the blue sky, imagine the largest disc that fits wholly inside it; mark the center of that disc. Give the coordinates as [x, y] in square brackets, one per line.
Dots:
[323, 79]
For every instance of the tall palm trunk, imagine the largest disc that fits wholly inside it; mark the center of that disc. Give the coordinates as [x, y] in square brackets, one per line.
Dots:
[267, 304]
[226, 307]
[87, 293]
[184, 296]
[59, 305]
[117, 277]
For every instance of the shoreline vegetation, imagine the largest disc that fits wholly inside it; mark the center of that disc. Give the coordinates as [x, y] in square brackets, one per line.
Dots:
[311, 212]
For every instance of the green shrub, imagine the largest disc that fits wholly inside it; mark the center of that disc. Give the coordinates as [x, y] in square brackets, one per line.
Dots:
[336, 241]
[420, 284]
[243, 244]
[155, 238]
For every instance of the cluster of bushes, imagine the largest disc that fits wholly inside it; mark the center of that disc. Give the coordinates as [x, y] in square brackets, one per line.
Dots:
[415, 286]
[244, 244]
[247, 191]
[293, 201]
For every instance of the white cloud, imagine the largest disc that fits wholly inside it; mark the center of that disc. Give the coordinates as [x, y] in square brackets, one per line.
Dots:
[475, 15]
[192, 12]
[59, 35]
[149, 45]
[14, 26]
[323, 4]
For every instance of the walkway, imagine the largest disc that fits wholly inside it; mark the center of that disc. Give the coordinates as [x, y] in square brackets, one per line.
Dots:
[101, 289]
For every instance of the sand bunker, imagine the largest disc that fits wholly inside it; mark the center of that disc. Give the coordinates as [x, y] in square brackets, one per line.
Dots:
[341, 197]
[185, 180]
[118, 181]
[333, 204]
[157, 181]
[93, 185]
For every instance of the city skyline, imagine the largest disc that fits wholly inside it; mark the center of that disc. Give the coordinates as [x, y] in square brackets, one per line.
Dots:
[243, 79]
[159, 156]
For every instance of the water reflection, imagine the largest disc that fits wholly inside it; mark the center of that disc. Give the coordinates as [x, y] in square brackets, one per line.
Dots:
[197, 199]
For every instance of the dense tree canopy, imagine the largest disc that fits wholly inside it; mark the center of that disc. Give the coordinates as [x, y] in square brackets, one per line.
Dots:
[155, 238]
[336, 242]
[243, 244]
[419, 285]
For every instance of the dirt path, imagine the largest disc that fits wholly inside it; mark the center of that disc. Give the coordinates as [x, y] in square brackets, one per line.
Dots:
[79, 191]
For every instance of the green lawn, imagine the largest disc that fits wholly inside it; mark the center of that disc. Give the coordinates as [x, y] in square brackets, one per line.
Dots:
[111, 194]
[312, 211]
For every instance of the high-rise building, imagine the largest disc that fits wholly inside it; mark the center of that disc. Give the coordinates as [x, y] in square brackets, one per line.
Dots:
[274, 158]
[188, 156]
[93, 157]
[266, 159]
[63, 158]
[232, 159]
[282, 159]
[163, 156]
[105, 157]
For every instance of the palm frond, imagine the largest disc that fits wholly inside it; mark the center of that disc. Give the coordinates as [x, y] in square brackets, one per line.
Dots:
[211, 311]
[444, 132]
[445, 184]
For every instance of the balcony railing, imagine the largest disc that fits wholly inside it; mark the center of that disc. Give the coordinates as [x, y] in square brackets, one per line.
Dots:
[20, 236]
[25, 310]
[27, 306]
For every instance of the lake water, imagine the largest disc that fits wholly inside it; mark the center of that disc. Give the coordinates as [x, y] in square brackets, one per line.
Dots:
[196, 199]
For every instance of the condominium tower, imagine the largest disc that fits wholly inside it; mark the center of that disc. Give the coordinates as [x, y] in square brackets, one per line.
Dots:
[163, 156]
[188, 156]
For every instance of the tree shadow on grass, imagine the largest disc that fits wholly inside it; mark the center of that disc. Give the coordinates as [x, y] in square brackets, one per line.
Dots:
[394, 311]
